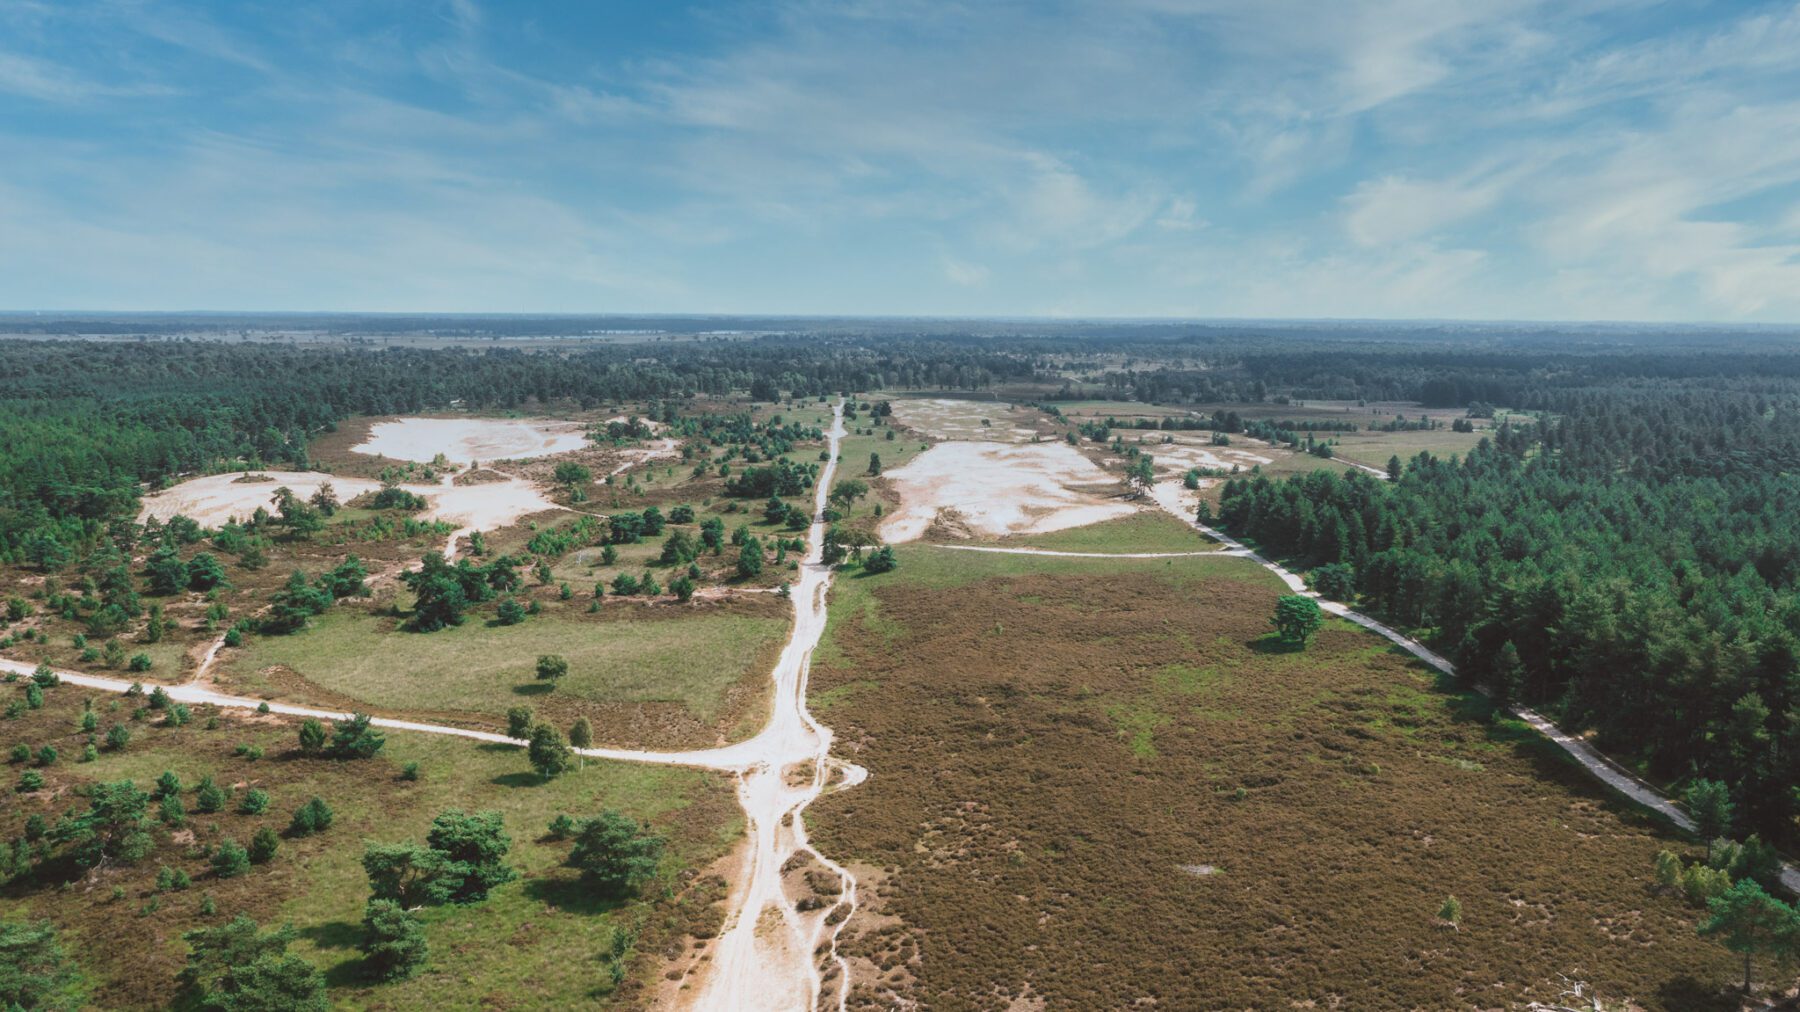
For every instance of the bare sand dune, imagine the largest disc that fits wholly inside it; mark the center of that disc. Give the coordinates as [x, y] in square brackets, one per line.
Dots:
[217, 498]
[466, 439]
[948, 418]
[1001, 488]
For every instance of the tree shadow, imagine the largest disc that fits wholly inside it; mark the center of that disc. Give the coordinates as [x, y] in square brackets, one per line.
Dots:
[333, 934]
[570, 895]
[1685, 992]
[348, 973]
[534, 688]
[521, 779]
[498, 746]
[1272, 643]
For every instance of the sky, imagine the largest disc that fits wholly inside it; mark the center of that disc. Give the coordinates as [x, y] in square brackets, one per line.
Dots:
[1481, 159]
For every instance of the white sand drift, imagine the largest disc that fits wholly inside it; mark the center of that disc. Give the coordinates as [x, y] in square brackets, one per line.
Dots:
[1001, 488]
[466, 439]
[213, 500]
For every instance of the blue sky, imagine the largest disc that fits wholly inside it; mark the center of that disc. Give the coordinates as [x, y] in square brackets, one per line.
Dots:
[1494, 159]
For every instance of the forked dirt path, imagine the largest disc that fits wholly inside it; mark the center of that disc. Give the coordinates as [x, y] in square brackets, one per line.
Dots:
[770, 952]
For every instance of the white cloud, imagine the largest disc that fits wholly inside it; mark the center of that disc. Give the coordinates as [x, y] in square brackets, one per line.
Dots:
[1385, 157]
[964, 273]
[50, 82]
[1393, 209]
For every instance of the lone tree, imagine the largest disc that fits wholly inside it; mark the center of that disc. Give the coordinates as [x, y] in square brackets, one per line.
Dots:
[312, 736]
[550, 667]
[1709, 802]
[881, 560]
[581, 733]
[115, 826]
[550, 756]
[462, 859]
[518, 722]
[750, 558]
[615, 853]
[1297, 618]
[393, 942]
[846, 492]
[312, 817]
[1451, 912]
[356, 738]
[1750, 921]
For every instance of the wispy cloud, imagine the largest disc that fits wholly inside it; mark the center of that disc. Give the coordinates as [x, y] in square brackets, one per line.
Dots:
[1371, 157]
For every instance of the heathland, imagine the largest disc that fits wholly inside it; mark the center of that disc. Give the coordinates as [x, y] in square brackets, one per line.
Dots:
[1060, 779]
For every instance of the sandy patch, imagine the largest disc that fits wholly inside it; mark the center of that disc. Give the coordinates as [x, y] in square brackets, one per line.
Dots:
[215, 499]
[948, 418]
[466, 439]
[1000, 488]
[1188, 452]
[632, 456]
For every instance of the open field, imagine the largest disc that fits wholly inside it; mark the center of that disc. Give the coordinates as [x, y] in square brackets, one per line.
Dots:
[1148, 530]
[1097, 783]
[541, 936]
[1363, 446]
[645, 675]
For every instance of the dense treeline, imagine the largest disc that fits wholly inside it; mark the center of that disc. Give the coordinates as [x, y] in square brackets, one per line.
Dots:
[1630, 563]
[86, 423]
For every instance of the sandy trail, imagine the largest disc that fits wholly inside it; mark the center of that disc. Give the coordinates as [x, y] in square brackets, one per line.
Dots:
[768, 955]
[765, 958]
[1179, 502]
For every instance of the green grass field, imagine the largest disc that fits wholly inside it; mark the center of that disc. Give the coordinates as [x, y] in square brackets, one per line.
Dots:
[629, 653]
[540, 936]
[1149, 530]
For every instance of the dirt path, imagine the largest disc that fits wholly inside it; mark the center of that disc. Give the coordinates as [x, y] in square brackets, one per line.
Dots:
[1170, 496]
[1076, 555]
[768, 956]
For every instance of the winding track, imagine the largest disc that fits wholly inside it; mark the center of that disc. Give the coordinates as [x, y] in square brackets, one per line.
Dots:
[766, 956]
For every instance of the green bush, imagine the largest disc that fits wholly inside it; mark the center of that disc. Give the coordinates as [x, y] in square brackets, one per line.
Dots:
[230, 859]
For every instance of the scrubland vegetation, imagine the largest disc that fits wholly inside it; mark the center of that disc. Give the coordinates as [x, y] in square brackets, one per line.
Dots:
[1093, 781]
[1099, 782]
[187, 827]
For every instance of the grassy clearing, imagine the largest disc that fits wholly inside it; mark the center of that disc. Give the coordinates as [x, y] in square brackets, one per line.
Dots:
[693, 666]
[1076, 736]
[1150, 530]
[540, 936]
[937, 568]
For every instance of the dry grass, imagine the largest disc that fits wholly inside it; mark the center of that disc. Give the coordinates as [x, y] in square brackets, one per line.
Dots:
[1054, 746]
